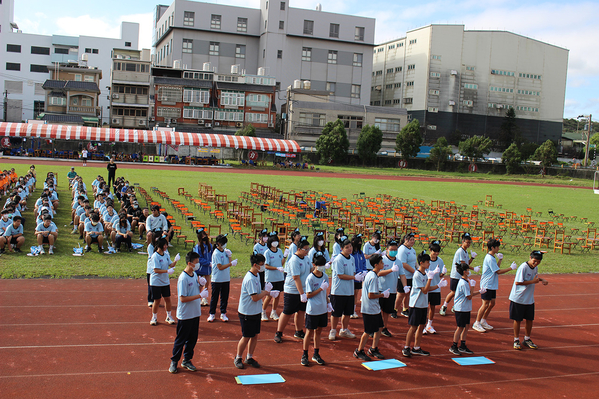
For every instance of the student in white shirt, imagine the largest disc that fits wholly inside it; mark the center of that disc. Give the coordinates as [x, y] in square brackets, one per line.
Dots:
[260, 247]
[463, 308]
[221, 278]
[434, 296]
[162, 268]
[317, 308]
[274, 265]
[461, 256]
[342, 289]
[46, 233]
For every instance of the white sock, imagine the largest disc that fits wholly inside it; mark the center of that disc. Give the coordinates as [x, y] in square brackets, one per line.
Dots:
[516, 339]
[525, 337]
[248, 356]
[51, 246]
[445, 304]
[483, 321]
[154, 316]
[168, 314]
[429, 323]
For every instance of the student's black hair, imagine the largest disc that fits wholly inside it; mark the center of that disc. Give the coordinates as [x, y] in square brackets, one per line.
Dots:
[493, 243]
[17, 218]
[319, 259]
[47, 217]
[375, 259]
[461, 268]
[435, 246]
[191, 256]
[294, 234]
[377, 235]
[272, 238]
[318, 237]
[466, 236]
[263, 233]
[303, 242]
[423, 257]
[95, 217]
[257, 258]
[538, 255]
[356, 243]
[160, 243]
[407, 237]
[155, 208]
[344, 241]
[392, 242]
[221, 239]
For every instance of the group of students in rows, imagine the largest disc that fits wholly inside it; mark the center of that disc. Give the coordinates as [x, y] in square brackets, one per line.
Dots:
[309, 294]
[12, 222]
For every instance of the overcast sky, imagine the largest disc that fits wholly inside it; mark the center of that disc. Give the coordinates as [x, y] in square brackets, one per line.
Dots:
[572, 25]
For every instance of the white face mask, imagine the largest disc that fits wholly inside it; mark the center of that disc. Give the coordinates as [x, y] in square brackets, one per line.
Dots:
[320, 243]
[275, 244]
[321, 268]
[224, 246]
[196, 266]
[375, 241]
[264, 239]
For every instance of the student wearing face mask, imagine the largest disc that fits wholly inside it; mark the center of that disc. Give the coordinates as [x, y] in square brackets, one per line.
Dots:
[388, 277]
[360, 262]
[273, 263]
[317, 308]
[189, 291]
[204, 249]
[337, 245]
[5, 221]
[259, 248]
[318, 246]
[295, 239]
[371, 247]
[407, 257]
[221, 278]
[342, 290]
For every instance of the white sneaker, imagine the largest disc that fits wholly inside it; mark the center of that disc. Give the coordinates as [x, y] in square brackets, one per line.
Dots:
[211, 318]
[332, 335]
[150, 304]
[486, 325]
[51, 251]
[41, 248]
[264, 317]
[169, 320]
[170, 245]
[224, 318]
[477, 327]
[274, 315]
[153, 322]
[430, 330]
[354, 316]
[346, 334]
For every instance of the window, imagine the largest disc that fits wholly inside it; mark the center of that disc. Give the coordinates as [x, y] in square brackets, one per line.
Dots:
[281, 24]
[396, 101]
[282, 6]
[470, 86]
[88, 50]
[169, 94]
[88, 78]
[13, 48]
[38, 68]
[95, 51]
[355, 91]
[436, 57]
[359, 34]
[60, 101]
[389, 70]
[432, 127]
[433, 109]
[306, 54]
[240, 51]
[470, 68]
[86, 102]
[188, 18]
[196, 96]
[376, 103]
[397, 85]
[77, 77]
[197, 113]
[257, 118]
[267, 4]
[279, 54]
[398, 69]
[334, 30]
[168, 112]
[378, 73]
[407, 100]
[529, 92]
[391, 46]
[214, 48]
[61, 50]
[265, 24]
[263, 53]
[331, 86]
[529, 76]
[413, 41]
[357, 60]
[435, 75]
[400, 44]
[308, 27]
[387, 125]
[468, 103]
[387, 102]
[215, 21]
[232, 98]
[502, 73]
[40, 50]
[433, 92]
[332, 57]
[528, 109]
[310, 119]
[232, 115]
[411, 67]
[501, 89]
[353, 122]
[127, 44]
[410, 83]
[242, 24]
[187, 46]
[13, 66]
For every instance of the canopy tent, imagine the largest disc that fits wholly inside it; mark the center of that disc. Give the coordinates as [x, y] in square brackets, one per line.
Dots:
[84, 133]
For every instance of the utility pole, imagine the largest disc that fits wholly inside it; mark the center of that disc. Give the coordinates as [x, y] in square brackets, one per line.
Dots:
[588, 141]
[5, 105]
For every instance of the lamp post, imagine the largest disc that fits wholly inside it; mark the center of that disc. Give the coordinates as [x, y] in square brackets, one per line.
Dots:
[588, 137]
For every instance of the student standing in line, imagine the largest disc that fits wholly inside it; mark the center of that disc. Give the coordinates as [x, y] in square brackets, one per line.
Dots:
[342, 289]
[434, 296]
[318, 246]
[317, 308]
[463, 308]
[260, 247]
[407, 256]
[461, 256]
[522, 301]
[189, 290]
[274, 261]
[360, 262]
[221, 277]
[162, 268]
[337, 245]
[371, 247]
[204, 249]
[150, 268]
[390, 277]
[295, 240]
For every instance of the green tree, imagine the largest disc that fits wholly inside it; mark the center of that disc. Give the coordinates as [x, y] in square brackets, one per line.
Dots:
[247, 130]
[475, 147]
[527, 150]
[509, 129]
[369, 143]
[440, 152]
[595, 139]
[408, 140]
[546, 153]
[511, 159]
[332, 145]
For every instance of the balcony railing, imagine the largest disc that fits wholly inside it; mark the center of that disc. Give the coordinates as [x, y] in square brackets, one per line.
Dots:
[77, 109]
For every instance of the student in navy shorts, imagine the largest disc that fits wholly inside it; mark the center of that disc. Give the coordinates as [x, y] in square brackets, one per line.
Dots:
[463, 308]
[317, 308]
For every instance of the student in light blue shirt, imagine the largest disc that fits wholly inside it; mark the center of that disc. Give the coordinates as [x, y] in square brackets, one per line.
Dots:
[296, 237]
[46, 233]
[162, 268]
[463, 307]
[273, 264]
[360, 263]
[490, 281]
[434, 296]
[317, 284]
[13, 235]
[522, 301]
[5, 221]
[318, 246]
[461, 256]
[388, 277]
[342, 290]
[371, 247]
[93, 233]
[336, 245]
[204, 249]
[121, 231]
[221, 278]
[407, 256]
[189, 291]
[260, 247]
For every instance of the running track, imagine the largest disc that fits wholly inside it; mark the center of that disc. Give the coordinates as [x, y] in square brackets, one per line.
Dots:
[91, 338]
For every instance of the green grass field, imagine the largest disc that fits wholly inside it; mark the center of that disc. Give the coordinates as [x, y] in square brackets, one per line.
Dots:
[567, 201]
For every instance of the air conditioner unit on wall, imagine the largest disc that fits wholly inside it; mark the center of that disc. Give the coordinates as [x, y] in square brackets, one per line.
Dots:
[115, 95]
[499, 106]
[208, 124]
[116, 121]
[271, 125]
[216, 123]
[200, 122]
[142, 122]
[238, 124]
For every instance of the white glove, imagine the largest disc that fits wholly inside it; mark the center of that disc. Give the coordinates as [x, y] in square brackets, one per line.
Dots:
[324, 285]
[500, 256]
[514, 266]
[386, 293]
[394, 268]
[436, 270]
[442, 283]
[204, 293]
[274, 293]
[430, 274]
[228, 252]
[472, 283]
[378, 252]
[444, 270]
[473, 254]
[177, 258]
[406, 289]
[359, 277]
[328, 265]
[286, 253]
[268, 286]
[304, 298]
[171, 270]
[234, 263]
[333, 258]
[281, 269]
[202, 280]
[329, 307]
[476, 269]
[483, 290]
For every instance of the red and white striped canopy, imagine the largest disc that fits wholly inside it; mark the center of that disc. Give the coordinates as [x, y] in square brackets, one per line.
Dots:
[84, 133]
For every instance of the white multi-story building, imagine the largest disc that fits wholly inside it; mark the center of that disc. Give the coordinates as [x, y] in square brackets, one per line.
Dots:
[27, 58]
[333, 51]
[455, 80]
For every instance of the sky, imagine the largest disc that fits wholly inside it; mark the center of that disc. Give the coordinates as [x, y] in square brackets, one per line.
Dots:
[571, 25]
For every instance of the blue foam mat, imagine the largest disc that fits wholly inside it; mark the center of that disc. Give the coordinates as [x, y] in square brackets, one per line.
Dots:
[472, 361]
[259, 379]
[383, 364]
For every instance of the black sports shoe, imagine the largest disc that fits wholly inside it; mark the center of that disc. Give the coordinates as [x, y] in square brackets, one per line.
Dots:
[278, 337]
[361, 355]
[173, 368]
[318, 359]
[299, 334]
[238, 363]
[406, 352]
[101, 250]
[420, 352]
[252, 362]
[529, 344]
[405, 313]
[386, 332]
[188, 365]
[394, 314]
[305, 361]
[19, 250]
[454, 349]
[464, 349]
[88, 249]
[374, 352]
